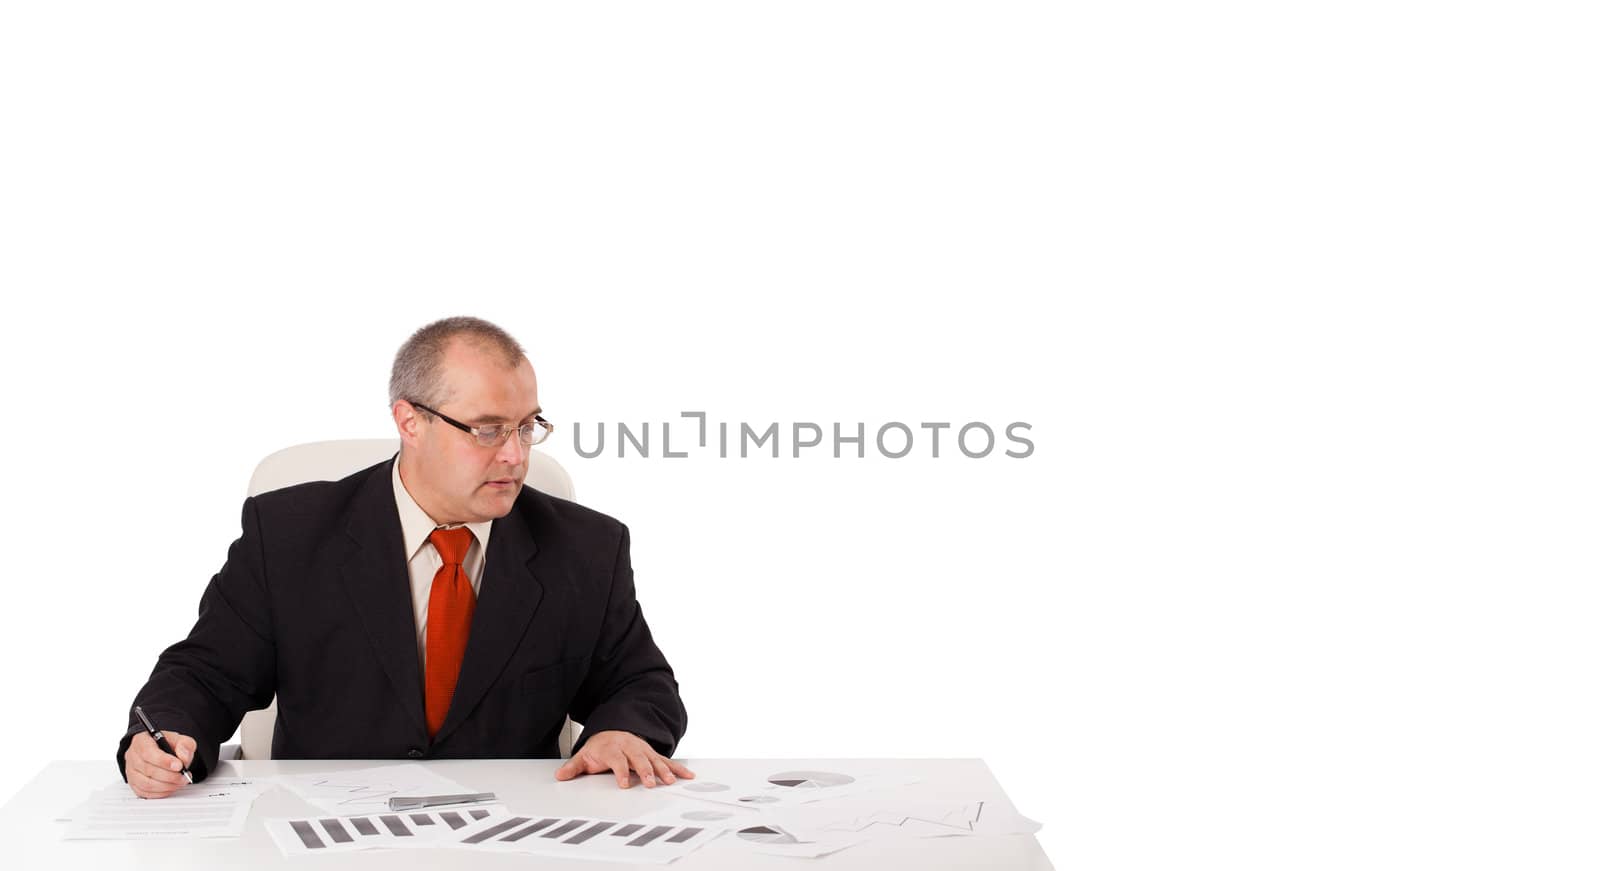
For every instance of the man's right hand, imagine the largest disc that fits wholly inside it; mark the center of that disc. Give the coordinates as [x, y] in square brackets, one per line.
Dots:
[152, 773]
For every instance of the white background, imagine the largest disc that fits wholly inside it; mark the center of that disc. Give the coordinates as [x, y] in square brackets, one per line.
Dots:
[1296, 297]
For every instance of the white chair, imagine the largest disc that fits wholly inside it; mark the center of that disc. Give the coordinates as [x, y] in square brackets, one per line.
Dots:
[330, 461]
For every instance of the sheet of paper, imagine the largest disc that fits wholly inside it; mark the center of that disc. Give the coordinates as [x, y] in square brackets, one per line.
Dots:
[900, 819]
[783, 788]
[209, 809]
[587, 838]
[484, 830]
[368, 790]
[751, 830]
[819, 828]
[777, 841]
[331, 834]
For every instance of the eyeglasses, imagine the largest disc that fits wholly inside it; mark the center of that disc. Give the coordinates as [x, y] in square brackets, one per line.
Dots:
[494, 436]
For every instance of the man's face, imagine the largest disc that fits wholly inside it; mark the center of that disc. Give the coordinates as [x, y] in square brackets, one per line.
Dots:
[452, 477]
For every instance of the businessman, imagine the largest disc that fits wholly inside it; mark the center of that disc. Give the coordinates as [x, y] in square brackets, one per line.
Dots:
[427, 607]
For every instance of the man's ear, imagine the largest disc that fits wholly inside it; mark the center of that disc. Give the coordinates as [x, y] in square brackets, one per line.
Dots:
[406, 422]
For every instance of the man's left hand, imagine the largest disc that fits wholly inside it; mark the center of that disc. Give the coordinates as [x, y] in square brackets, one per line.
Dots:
[623, 753]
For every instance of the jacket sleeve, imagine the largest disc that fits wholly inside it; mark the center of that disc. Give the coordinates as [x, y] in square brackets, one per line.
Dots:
[203, 685]
[629, 686]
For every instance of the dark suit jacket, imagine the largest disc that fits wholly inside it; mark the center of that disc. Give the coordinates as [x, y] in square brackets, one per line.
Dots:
[314, 605]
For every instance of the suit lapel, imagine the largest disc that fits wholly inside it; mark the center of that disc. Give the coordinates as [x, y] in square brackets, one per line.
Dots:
[508, 596]
[380, 588]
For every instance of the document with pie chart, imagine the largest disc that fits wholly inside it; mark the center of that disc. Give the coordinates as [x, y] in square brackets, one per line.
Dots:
[820, 828]
[783, 787]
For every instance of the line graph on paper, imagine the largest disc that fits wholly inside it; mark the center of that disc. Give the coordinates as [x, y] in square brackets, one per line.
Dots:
[957, 820]
[356, 797]
[367, 790]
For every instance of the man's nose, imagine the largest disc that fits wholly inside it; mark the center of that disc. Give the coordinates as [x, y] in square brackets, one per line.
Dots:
[512, 451]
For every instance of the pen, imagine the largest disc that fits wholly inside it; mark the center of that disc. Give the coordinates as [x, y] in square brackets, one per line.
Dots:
[161, 740]
[415, 802]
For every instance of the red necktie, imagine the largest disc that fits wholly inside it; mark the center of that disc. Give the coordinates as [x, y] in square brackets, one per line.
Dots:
[450, 605]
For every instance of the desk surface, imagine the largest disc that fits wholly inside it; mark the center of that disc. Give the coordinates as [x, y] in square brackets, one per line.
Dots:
[28, 828]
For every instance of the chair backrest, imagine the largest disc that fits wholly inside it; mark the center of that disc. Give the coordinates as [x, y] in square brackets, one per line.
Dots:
[330, 461]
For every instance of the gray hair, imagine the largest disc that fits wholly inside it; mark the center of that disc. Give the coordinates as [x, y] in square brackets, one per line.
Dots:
[416, 376]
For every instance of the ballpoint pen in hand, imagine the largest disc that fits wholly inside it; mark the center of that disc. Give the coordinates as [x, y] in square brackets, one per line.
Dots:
[161, 740]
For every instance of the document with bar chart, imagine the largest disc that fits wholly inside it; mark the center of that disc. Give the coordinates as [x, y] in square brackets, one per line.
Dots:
[588, 838]
[481, 830]
[437, 828]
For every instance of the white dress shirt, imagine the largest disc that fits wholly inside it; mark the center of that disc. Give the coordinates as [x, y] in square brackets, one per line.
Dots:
[423, 560]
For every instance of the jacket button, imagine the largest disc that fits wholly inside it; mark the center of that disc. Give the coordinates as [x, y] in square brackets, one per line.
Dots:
[415, 753]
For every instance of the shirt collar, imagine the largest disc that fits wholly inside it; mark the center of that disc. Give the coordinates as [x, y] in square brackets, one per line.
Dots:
[416, 525]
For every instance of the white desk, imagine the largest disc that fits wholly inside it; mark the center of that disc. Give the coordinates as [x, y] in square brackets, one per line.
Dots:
[28, 830]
